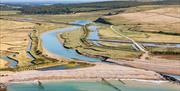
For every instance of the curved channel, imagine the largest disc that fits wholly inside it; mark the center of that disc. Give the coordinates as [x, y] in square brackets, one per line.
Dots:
[94, 34]
[29, 47]
[51, 43]
[11, 62]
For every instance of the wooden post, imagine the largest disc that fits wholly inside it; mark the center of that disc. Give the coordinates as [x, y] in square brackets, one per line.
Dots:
[109, 84]
[3, 87]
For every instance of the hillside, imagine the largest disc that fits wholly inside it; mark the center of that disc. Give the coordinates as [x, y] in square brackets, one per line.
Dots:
[82, 7]
[73, 8]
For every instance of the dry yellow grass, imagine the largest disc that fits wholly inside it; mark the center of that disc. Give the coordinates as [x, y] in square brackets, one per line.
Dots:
[48, 27]
[169, 11]
[5, 24]
[150, 18]
[150, 37]
[166, 19]
[14, 38]
[158, 16]
[142, 8]
[107, 32]
[14, 35]
[170, 28]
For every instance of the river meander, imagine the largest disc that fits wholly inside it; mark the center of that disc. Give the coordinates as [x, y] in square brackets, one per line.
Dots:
[52, 44]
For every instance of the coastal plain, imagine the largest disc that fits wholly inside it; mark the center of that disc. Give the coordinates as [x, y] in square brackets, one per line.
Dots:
[116, 48]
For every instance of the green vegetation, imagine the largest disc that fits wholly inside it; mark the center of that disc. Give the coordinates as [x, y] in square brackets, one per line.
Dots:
[74, 8]
[84, 7]
[67, 65]
[61, 19]
[131, 32]
[163, 32]
[88, 7]
[165, 51]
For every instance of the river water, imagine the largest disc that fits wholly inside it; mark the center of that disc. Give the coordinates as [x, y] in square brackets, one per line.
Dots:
[51, 43]
[11, 63]
[93, 34]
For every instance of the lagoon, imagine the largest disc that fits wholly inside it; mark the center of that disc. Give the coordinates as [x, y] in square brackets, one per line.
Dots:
[94, 86]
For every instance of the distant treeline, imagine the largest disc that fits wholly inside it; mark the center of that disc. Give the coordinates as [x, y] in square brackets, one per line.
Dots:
[85, 7]
[73, 8]
[46, 10]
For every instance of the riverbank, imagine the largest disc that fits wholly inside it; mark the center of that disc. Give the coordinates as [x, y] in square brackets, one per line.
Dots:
[101, 70]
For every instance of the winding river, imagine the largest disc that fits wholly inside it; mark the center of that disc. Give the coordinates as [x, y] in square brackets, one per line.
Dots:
[51, 43]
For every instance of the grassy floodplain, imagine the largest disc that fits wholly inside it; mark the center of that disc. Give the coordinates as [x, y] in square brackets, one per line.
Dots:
[74, 39]
[38, 23]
